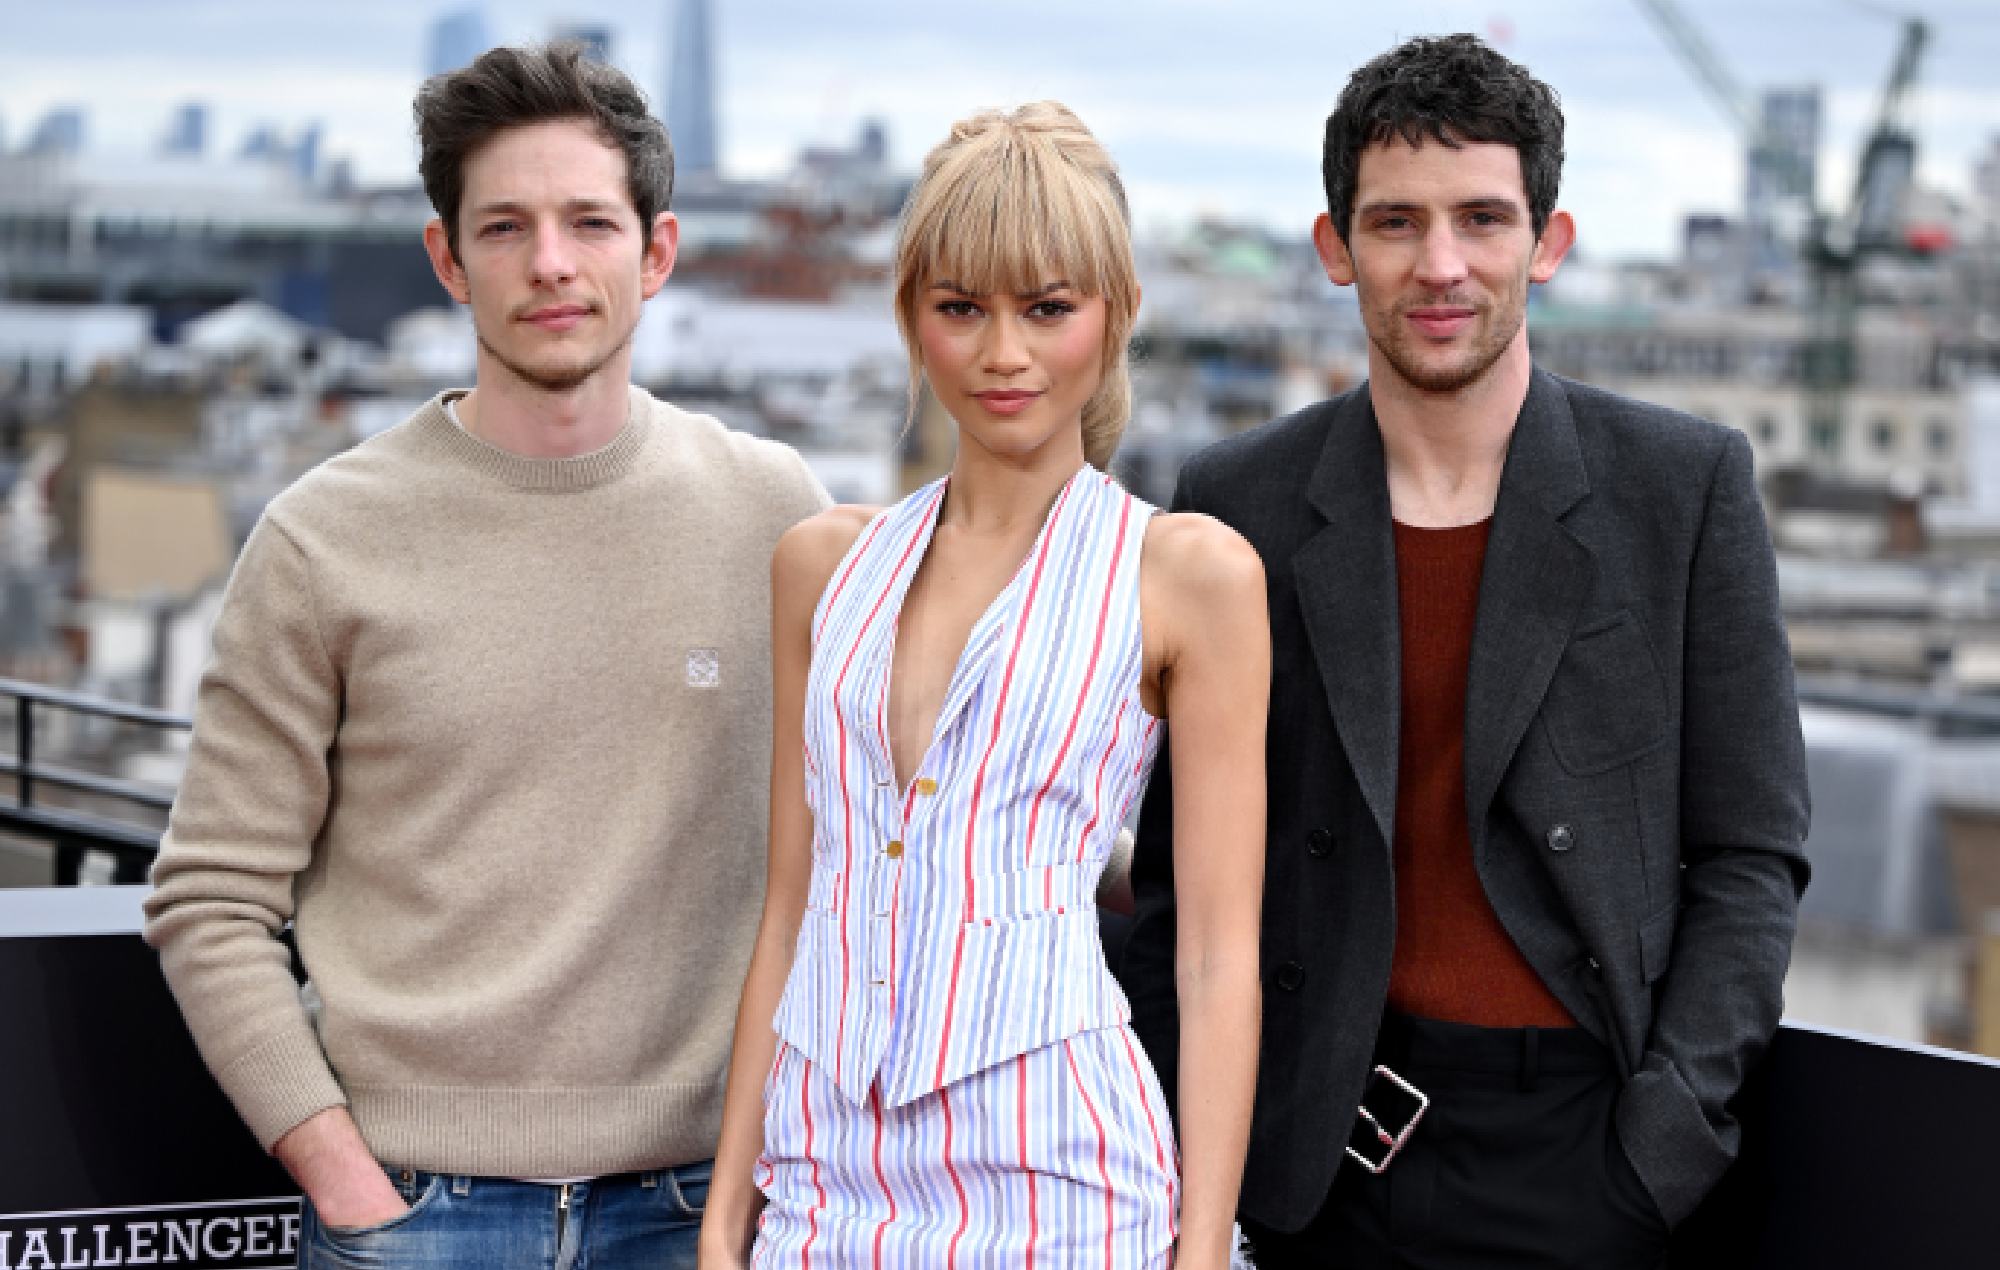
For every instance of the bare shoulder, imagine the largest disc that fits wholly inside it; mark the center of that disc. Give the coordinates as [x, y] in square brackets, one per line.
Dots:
[808, 552]
[821, 539]
[1196, 561]
[1202, 595]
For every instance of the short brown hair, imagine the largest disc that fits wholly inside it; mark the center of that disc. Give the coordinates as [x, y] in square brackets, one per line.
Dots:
[460, 111]
[1010, 202]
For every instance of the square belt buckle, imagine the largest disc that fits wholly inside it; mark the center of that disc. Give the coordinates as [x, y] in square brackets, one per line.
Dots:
[1392, 1141]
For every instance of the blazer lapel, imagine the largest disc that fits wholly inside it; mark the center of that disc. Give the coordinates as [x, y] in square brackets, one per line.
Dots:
[1536, 576]
[1346, 579]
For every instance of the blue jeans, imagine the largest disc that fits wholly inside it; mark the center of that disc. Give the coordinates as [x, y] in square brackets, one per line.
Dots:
[622, 1222]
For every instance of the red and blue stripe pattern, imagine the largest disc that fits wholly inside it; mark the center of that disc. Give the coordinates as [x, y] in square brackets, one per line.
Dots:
[956, 1085]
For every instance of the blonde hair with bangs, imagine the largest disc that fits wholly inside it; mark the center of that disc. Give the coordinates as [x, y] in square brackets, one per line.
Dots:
[1009, 203]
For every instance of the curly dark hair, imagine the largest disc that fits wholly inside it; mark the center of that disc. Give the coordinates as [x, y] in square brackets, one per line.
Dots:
[460, 111]
[1450, 89]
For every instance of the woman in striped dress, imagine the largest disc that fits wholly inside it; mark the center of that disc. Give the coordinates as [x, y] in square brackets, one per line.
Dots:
[932, 1063]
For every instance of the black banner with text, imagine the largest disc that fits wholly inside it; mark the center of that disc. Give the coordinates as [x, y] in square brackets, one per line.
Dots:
[118, 1148]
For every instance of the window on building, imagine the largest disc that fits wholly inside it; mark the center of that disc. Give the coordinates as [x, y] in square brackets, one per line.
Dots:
[1940, 437]
[1767, 430]
[1825, 435]
[1883, 434]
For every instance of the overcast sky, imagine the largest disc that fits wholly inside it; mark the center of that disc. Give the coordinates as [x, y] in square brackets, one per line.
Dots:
[1208, 105]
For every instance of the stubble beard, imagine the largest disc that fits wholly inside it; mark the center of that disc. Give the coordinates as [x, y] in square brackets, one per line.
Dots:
[552, 379]
[1492, 334]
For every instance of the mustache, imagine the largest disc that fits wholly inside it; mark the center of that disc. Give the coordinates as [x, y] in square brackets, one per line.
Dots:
[1445, 300]
[553, 302]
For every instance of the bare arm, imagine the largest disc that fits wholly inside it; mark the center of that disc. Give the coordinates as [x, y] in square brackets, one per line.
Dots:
[1205, 587]
[805, 559]
[328, 1159]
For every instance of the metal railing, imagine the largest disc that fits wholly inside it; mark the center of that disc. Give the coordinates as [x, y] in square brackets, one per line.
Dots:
[1951, 715]
[73, 832]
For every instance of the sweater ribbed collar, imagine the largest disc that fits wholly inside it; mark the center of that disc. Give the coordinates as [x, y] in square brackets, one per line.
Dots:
[546, 476]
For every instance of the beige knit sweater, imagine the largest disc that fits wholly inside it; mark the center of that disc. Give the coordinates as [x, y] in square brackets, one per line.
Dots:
[493, 732]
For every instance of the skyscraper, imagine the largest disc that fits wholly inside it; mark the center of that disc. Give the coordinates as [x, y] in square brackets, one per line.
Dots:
[457, 38]
[1781, 166]
[1986, 175]
[187, 134]
[594, 36]
[262, 142]
[305, 153]
[61, 131]
[691, 90]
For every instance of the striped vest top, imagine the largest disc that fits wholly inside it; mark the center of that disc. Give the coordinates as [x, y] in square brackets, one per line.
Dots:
[952, 925]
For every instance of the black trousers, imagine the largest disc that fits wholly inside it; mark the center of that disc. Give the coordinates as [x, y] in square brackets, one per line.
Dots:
[1515, 1163]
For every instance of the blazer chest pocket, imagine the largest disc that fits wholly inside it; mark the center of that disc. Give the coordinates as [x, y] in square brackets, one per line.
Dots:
[1606, 705]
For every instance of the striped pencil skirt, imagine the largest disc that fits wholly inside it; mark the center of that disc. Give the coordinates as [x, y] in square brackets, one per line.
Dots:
[1062, 1157]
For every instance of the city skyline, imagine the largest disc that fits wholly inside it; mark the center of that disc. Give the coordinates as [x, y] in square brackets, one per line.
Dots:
[1210, 109]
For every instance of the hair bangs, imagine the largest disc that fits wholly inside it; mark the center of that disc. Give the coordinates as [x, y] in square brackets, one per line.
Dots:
[1012, 217]
[1012, 204]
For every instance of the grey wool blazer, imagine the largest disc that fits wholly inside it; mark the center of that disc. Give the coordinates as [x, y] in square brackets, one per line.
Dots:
[1635, 776]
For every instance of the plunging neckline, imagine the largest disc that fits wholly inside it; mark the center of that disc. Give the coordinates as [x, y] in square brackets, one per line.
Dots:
[993, 612]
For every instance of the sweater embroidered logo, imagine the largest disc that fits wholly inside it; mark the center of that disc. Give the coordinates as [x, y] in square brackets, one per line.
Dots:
[704, 668]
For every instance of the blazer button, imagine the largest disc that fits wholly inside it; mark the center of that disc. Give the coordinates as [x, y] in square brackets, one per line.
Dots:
[1319, 843]
[1290, 976]
[1561, 839]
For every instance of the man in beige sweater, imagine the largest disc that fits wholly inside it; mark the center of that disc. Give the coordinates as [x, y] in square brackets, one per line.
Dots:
[488, 723]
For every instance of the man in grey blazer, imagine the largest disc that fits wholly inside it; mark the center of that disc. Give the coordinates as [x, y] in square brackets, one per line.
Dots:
[1536, 785]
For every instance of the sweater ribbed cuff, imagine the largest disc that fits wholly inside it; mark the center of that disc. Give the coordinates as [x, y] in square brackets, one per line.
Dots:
[280, 1085]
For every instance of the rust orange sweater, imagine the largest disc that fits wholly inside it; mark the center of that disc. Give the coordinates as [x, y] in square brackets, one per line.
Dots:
[1453, 960]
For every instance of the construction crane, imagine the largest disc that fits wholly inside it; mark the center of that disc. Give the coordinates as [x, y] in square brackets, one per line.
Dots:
[1836, 245]
[1873, 218]
[1871, 225]
[1772, 151]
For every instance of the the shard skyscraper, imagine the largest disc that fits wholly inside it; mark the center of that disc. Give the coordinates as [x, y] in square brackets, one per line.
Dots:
[691, 90]
[457, 38]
